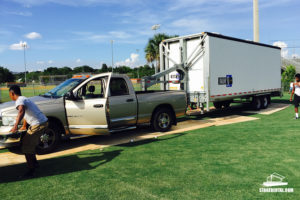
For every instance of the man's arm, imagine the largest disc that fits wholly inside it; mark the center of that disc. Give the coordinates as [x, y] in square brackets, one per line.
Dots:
[24, 127]
[293, 91]
[20, 116]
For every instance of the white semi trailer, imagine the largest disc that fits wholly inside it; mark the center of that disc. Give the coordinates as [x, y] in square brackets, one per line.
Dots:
[215, 68]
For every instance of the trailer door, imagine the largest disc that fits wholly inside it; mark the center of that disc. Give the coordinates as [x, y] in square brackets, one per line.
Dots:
[196, 70]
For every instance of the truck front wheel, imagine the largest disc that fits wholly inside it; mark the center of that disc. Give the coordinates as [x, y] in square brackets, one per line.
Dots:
[162, 120]
[49, 140]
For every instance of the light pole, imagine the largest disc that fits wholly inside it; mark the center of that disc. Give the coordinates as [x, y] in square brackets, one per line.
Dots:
[112, 55]
[24, 45]
[137, 51]
[255, 21]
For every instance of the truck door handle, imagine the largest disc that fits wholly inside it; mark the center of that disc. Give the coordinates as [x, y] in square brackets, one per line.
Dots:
[129, 100]
[98, 106]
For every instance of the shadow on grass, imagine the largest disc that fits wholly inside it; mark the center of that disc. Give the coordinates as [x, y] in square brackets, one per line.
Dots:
[148, 141]
[60, 165]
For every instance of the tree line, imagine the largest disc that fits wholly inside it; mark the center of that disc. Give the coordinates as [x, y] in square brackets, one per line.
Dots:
[137, 72]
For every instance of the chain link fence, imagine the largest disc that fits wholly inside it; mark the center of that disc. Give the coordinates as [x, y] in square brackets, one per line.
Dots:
[35, 89]
[28, 91]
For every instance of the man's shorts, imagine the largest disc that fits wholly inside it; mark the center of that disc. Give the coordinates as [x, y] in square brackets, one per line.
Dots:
[296, 100]
[32, 138]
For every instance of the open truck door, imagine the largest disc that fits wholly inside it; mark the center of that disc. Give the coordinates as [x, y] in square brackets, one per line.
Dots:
[86, 107]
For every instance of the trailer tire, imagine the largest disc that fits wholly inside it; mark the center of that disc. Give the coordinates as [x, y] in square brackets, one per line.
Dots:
[269, 99]
[256, 103]
[226, 104]
[264, 102]
[162, 120]
[218, 105]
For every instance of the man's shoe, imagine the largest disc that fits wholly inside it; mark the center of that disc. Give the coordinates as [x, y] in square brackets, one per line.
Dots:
[296, 117]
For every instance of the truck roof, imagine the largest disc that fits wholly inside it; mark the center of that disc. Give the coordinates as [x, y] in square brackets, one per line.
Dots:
[220, 36]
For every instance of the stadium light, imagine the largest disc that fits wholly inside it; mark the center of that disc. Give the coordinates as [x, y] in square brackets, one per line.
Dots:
[155, 27]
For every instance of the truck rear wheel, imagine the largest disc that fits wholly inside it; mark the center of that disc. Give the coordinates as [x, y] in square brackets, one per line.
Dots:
[264, 102]
[162, 120]
[49, 140]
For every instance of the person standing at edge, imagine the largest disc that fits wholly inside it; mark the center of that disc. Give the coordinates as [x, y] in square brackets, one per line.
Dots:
[296, 94]
[38, 123]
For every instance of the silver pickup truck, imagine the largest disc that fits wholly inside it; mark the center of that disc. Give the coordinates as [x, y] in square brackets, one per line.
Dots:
[96, 105]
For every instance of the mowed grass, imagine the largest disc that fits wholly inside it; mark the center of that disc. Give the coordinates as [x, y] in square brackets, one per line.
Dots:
[224, 162]
[26, 91]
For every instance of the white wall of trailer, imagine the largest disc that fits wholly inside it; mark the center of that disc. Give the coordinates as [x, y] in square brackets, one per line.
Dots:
[254, 69]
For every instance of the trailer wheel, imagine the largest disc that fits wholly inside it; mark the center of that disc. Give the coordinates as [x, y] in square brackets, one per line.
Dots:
[162, 120]
[256, 103]
[226, 104]
[269, 99]
[49, 140]
[264, 102]
[218, 105]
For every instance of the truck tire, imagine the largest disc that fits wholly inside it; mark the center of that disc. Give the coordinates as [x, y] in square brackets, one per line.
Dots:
[218, 105]
[162, 120]
[264, 102]
[256, 103]
[49, 140]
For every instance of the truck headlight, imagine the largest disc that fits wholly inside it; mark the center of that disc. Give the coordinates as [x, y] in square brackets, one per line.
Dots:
[8, 121]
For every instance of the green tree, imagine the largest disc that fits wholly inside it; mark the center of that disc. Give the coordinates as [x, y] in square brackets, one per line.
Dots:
[6, 75]
[288, 76]
[84, 69]
[152, 48]
[104, 68]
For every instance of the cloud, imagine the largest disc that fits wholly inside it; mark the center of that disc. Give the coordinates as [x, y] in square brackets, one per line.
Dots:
[78, 60]
[40, 62]
[18, 46]
[33, 35]
[105, 37]
[295, 55]
[133, 61]
[75, 3]
[191, 25]
[283, 46]
[24, 14]
[50, 61]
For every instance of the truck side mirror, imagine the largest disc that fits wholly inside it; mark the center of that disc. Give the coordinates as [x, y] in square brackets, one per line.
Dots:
[70, 96]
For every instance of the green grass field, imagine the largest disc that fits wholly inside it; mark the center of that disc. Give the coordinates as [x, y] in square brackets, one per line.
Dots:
[224, 162]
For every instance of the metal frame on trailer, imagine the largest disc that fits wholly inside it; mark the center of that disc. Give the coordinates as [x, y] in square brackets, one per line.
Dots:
[182, 67]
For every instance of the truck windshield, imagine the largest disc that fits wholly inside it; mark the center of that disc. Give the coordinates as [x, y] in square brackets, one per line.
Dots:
[63, 88]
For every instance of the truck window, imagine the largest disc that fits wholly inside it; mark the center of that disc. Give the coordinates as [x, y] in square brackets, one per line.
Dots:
[118, 87]
[92, 90]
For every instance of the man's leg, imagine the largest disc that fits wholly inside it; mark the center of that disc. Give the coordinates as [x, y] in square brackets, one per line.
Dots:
[30, 165]
[296, 111]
